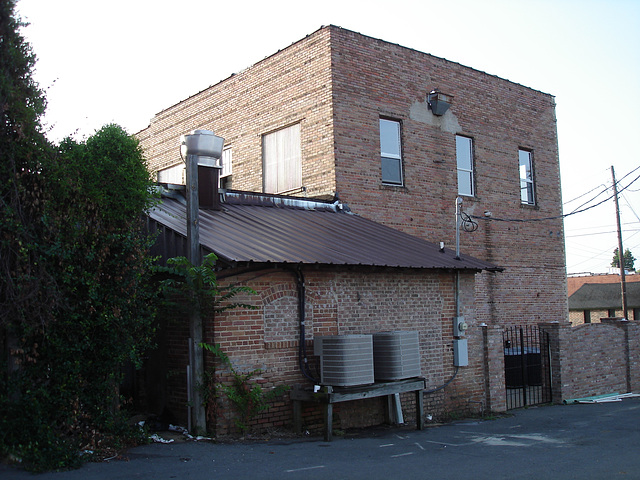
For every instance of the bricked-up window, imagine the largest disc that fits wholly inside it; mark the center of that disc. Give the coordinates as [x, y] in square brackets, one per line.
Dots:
[391, 152]
[464, 155]
[282, 160]
[527, 194]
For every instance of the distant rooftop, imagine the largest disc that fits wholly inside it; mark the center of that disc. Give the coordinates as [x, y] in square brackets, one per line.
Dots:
[601, 296]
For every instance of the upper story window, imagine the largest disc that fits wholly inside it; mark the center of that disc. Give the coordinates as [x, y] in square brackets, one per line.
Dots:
[226, 162]
[527, 193]
[464, 155]
[390, 152]
[282, 160]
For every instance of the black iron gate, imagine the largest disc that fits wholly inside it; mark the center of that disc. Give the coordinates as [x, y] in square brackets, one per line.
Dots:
[527, 368]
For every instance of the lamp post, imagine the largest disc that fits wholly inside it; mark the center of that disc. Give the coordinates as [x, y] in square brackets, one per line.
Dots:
[201, 149]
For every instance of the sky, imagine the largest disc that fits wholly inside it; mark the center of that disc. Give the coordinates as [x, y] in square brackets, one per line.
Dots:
[124, 61]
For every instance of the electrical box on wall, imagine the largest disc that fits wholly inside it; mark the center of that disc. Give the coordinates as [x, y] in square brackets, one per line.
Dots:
[459, 327]
[460, 353]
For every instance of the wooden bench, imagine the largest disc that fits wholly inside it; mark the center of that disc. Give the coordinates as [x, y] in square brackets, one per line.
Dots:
[328, 395]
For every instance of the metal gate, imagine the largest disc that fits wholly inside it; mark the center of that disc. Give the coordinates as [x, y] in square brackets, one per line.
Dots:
[527, 367]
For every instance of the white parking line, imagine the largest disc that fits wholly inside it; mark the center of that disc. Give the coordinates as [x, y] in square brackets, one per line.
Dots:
[402, 454]
[303, 469]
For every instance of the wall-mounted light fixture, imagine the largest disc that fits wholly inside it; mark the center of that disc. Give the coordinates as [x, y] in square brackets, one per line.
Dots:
[439, 102]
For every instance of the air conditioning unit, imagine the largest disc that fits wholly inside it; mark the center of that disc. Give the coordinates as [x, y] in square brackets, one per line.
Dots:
[396, 355]
[345, 360]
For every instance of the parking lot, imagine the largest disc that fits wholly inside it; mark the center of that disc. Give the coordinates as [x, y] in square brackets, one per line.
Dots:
[583, 441]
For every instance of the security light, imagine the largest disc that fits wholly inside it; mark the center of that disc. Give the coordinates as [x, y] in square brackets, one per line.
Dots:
[439, 102]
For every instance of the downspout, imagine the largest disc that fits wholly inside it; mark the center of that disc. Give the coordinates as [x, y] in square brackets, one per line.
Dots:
[457, 282]
[302, 349]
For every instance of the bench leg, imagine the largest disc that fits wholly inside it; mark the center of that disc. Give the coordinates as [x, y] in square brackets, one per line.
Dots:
[328, 422]
[297, 416]
[419, 409]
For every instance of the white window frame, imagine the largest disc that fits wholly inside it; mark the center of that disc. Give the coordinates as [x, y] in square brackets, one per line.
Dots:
[226, 161]
[465, 165]
[282, 160]
[527, 179]
[391, 152]
[175, 174]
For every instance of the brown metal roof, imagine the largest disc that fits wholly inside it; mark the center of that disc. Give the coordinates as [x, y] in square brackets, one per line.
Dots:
[254, 228]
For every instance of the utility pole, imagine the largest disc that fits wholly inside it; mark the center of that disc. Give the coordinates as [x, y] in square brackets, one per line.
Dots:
[620, 251]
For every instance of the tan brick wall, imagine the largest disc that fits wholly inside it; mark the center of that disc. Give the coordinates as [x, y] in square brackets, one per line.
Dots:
[291, 86]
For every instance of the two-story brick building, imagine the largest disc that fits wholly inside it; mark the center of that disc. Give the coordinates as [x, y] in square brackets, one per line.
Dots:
[342, 116]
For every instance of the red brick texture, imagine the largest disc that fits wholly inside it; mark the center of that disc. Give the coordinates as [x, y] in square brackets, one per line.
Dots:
[337, 84]
[594, 359]
[359, 301]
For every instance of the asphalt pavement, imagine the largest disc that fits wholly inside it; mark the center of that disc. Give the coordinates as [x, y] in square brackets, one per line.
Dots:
[582, 441]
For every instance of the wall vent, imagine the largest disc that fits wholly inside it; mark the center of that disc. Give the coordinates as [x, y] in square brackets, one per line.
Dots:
[345, 360]
[396, 355]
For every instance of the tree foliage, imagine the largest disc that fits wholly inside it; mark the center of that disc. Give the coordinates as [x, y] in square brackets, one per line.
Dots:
[23, 149]
[628, 260]
[76, 303]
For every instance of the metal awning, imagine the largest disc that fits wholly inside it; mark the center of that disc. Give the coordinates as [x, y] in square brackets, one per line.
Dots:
[256, 228]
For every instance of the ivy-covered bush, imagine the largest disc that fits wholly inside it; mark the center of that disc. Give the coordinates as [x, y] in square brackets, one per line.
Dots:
[76, 303]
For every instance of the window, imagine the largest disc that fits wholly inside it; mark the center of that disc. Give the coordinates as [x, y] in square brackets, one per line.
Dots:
[282, 160]
[225, 162]
[390, 152]
[464, 155]
[526, 178]
[175, 174]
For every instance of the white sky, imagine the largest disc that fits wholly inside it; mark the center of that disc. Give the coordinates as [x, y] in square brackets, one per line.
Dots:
[123, 61]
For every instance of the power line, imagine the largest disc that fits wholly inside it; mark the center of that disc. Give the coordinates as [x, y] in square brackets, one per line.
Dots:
[556, 217]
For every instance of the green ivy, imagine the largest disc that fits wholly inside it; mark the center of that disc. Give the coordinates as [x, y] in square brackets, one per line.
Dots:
[248, 398]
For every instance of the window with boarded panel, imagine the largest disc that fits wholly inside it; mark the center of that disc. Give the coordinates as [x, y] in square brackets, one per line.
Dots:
[282, 160]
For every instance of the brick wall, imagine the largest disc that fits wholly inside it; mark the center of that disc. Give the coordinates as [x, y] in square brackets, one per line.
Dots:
[291, 86]
[355, 301]
[594, 359]
[337, 84]
[374, 79]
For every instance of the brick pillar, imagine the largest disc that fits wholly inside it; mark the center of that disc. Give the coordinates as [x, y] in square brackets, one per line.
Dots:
[558, 359]
[495, 392]
[634, 355]
[624, 325]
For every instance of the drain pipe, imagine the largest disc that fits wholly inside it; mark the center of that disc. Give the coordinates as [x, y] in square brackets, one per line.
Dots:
[302, 350]
[457, 287]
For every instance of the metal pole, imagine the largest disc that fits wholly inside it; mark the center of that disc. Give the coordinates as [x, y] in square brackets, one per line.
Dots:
[198, 420]
[623, 282]
[458, 208]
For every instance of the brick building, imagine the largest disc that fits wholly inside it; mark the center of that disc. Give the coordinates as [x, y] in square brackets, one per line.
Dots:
[339, 116]
[594, 297]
